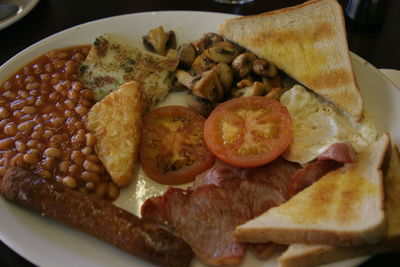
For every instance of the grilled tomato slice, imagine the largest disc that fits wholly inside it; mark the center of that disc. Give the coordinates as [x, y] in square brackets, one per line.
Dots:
[248, 132]
[172, 149]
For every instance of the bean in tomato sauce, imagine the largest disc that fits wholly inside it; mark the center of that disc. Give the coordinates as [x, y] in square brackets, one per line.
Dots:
[43, 108]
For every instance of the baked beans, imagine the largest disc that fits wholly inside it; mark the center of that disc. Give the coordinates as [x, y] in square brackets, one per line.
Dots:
[42, 123]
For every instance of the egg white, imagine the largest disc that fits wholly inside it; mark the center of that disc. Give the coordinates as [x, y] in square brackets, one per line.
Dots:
[317, 124]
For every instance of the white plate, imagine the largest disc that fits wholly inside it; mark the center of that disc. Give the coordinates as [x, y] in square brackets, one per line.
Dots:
[47, 243]
[25, 6]
[393, 75]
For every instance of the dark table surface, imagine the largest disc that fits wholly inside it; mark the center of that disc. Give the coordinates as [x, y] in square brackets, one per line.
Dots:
[378, 44]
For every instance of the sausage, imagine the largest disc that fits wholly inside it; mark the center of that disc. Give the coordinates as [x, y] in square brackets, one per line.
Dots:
[95, 216]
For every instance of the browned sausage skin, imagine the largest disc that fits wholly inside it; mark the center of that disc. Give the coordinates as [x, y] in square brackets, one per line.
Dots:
[96, 216]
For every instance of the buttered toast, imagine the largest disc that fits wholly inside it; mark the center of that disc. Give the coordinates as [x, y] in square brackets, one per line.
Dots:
[116, 122]
[343, 208]
[308, 42]
[301, 255]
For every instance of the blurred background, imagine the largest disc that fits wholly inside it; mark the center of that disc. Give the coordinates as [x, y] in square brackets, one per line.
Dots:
[379, 43]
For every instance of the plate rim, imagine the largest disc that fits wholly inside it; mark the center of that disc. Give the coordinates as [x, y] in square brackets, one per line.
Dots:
[9, 242]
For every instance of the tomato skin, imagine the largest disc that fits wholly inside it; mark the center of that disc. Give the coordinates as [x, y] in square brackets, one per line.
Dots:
[172, 149]
[248, 132]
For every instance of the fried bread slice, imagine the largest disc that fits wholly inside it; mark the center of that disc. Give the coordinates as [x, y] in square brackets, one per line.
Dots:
[343, 208]
[116, 121]
[308, 42]
[301, 255]
[113, 61]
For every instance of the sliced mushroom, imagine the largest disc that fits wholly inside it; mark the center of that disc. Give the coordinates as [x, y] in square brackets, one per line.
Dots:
[209, 86]
[255, 89]
[222, 52]
[243, 64]
[184, 78]
[213, 38]
[245, 82]
[177, 86]
[270, 83]
[264, 68]
[208, 39]
[225, 75]
[201, 105]
[171, 43]
[186, 55]
[201, 64]
[276, 92]
[158, 41]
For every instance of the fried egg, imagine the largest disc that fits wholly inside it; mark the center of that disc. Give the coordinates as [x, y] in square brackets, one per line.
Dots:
[317, 124]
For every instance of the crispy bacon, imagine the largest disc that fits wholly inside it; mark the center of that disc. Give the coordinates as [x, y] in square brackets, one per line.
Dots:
[310, 174]
[221, 198]
[334, 157]
[224, 197]
[339, 152]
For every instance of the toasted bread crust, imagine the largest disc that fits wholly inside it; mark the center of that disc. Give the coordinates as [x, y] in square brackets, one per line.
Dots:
[309, 43]
[318, 215]
[310, 255]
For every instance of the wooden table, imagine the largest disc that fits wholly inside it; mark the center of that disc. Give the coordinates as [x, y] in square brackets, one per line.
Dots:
[379, 44]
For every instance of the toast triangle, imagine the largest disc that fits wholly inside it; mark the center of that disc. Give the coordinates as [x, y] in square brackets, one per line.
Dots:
[343, 208]
[309, 43]
[301, 255]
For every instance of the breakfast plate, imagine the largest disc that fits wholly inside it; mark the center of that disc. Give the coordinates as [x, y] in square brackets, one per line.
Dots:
[47, 243]
[25, 6]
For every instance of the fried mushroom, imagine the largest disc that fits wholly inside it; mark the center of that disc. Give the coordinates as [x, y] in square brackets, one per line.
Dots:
[184, 78]
[201, 64]
[186, 55]
[208, 39]
[276, 92]
[243, 64]
[264, 68]
[270, 83]
[159, 41]
[222, 52]
[250, 89]
[201, 105]
[209, 86]
[225, 75]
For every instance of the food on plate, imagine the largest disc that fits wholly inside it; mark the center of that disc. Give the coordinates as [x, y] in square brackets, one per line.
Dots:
[334, 157]
[221, 198]
[115, 122]
[309, 255]
[343, 208]
[215, 70]
[95, 216]
[113, 61]
[308, 42]
[248, 132]
[159, 41]
[256, 122]
[43, 111]
[317, 124]
[172, 148]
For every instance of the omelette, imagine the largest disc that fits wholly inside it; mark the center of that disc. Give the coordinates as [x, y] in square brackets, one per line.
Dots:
[112, 61]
